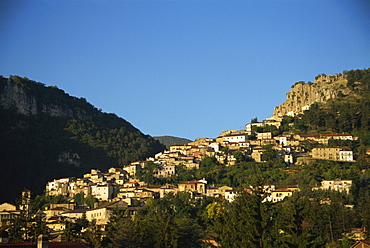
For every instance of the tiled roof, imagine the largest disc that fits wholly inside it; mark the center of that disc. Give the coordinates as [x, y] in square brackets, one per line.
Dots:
[282, 190]
[337, 134]
[361, 242]
[190, 182]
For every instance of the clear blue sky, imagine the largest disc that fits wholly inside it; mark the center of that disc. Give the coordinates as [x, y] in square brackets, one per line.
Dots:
[183, 68]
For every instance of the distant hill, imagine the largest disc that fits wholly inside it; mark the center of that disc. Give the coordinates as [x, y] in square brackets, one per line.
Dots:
[47, 134]
[170, 140]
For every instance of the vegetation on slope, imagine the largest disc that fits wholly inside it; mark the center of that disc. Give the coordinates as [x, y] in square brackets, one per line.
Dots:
[170, 140]
[31, 144]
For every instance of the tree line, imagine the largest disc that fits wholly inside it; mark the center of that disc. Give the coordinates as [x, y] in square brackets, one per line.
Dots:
[307, 219]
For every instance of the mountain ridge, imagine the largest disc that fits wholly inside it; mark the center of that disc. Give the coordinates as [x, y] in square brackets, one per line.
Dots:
[168, 140]
[40, 123]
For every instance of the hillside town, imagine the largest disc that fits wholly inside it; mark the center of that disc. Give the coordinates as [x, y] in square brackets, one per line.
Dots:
[120, 188]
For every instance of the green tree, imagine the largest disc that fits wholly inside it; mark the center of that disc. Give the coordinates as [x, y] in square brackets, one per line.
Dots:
[254, 120]
[294, 228]
[92, 237]
[239, 157]
[79, 198]
[246, 222]
[269, 154]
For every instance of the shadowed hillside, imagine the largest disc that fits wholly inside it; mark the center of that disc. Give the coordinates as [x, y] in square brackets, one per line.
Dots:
[47, 134]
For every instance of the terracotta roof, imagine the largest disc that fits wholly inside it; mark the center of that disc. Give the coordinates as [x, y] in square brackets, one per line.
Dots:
[282, 190]
[337, 134]
[190, 182]
[231, 190]
[75, 211]
[366, 242]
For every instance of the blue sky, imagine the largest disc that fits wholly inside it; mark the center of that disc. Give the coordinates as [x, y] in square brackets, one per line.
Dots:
[183, 68]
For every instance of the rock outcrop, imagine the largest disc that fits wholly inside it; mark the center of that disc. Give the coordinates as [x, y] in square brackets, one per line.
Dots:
[24, 101]
[303, 95]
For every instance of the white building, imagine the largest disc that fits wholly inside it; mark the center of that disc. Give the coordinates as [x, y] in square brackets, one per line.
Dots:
[215, 146]
[230, 194]
[102, 192]
[280, 194]
[346, 156]
[337, 185]
[263, 136]
[236, 138]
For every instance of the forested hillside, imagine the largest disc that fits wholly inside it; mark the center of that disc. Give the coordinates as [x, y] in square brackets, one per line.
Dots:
[47, 134]
[170, 140]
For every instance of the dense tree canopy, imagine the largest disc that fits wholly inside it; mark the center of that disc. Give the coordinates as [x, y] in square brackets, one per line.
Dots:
[30, 145]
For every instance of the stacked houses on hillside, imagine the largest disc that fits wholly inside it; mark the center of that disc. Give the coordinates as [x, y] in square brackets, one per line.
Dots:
[120, 188]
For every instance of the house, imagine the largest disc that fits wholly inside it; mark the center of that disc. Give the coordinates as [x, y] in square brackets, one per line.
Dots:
[62, 186]
[102, 192]
[131, 185]
[73, 214]
[218, 192]
[54, 211]
[361, 244]
[137, 193]
[257, 154]
[167, 189]
[340, 136]
[280, 194]
[133, 168]
[282, 139]
[288, 158]
[193, 186]
[357, 233]
[57, 225]
[236, 138]
[230, 194]
[215, 146]
[337, 185]
[180, 148]
[7, 213]
[332, 153]
[324, 138]
[346, 156]
[264, 136]
[165, 171]
[273, 121]
[102, 213]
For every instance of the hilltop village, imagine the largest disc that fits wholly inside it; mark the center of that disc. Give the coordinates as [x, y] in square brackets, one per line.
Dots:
[299, 177]
[121, 187]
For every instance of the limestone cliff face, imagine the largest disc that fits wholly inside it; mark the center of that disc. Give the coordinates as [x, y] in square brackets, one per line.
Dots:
[24, 101]
[16, 96]
[302, 95]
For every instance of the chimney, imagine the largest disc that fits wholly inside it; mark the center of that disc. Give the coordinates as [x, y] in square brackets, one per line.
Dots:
[42, 241]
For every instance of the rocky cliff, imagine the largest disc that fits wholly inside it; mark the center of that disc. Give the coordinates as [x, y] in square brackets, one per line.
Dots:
[27, 101]
[302, 94]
